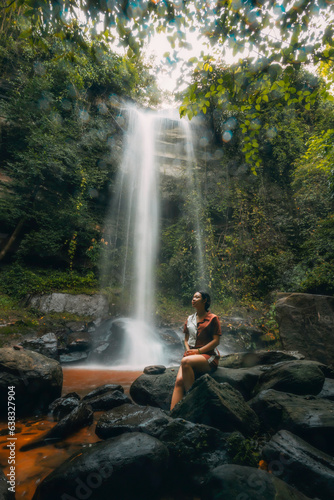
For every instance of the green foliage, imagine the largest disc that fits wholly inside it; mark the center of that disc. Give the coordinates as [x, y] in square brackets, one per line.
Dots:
[18, 281]
[60, 126]
[243, 451]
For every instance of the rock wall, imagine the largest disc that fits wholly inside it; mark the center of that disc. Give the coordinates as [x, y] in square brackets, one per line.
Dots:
[306, 324]
[83, 305]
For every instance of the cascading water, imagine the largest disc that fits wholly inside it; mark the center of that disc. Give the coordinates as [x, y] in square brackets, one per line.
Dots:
[134, 227]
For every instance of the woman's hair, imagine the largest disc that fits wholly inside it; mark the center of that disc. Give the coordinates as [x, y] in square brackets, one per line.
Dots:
[206, 296]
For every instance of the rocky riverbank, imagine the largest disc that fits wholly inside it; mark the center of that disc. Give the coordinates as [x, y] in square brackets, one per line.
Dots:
[262, 425]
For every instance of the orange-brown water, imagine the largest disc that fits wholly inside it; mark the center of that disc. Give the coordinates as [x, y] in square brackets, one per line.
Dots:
[33, 466]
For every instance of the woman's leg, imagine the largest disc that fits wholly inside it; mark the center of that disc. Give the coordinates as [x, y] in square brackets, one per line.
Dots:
[186, 375]
[190, 366]
[178, 392]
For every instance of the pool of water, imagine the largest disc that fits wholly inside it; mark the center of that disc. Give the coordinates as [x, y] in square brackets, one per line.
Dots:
[33, 466]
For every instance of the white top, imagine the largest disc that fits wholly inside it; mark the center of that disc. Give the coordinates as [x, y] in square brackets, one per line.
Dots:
[192, 329]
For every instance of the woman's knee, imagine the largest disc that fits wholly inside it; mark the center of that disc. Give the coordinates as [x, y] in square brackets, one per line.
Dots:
[185, 362]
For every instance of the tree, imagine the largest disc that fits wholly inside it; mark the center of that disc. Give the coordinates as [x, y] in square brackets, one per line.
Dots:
[59, 109]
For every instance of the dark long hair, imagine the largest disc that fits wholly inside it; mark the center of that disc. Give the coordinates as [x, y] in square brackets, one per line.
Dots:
[206, 296]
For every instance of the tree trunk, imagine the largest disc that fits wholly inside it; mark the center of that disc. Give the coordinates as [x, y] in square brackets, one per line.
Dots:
[13, 238]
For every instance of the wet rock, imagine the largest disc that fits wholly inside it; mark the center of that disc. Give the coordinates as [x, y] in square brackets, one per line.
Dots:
[127, 467]
[37, 380]
[194, 449]
[131, 418]
[77, 326]
[250, 359]
[293, 459]
[73, 357]
[80, 417]
[78, 341]
[46, 345]
[108, 400]
[327, 391]
[81, 304]
[63, 406]
[102, 389]
[242, 379]
[154, 370]
[247, 483]
[306, 324]
[310, 417]
[154, 390]
[216, 405]
[297, 377]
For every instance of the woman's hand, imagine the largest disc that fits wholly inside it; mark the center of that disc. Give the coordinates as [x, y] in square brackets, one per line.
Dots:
[191, 352]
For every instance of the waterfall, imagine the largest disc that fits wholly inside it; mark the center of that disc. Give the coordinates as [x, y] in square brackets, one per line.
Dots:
[134, 226]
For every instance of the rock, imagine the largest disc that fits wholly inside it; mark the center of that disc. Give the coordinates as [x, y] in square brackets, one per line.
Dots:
[108, 400]
[77, 326]
[296, 377]
[242, 379]
[63, 406]
[5, 493]
[80, 417]
[154, 390]
[127, 467]
[293, 459]
[310, 417]
[154, 370]
[78, 341]
[216, 405]
[131, 418]
[238, 482]
[250, 359]
[327, 389]
[37, 381]
[46, 345]
[102, 389]
[306, 324]
[73, 357]
[194, 449]
[108, 344]
[83, 305]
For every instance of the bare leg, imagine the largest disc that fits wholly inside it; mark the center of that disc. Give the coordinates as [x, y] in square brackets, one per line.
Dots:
[178, 392]
[186, 375]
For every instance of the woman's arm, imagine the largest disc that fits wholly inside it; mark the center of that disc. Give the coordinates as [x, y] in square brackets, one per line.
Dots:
[208, 347]
[186, 338]
[203, 350]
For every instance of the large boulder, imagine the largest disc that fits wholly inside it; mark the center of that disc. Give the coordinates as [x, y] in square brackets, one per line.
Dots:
[247, 483]
[242, 379]
[194, 450]
[81, 304]
[131, 418]
[154, 390]
[61, 407]
[256, 358]
[108, 400]
[37, 381]
[216, 405]
[127, 467]
[46, 344]
[297, 377]
[306, 324]
[293, 459]
[310, 417]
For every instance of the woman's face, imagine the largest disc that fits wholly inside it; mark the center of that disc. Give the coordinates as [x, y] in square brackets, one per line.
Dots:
[197, 300]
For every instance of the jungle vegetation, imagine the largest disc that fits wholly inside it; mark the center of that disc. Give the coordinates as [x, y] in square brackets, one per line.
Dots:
[268, 206]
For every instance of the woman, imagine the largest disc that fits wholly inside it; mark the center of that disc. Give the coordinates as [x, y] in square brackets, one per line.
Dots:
[202, 331]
